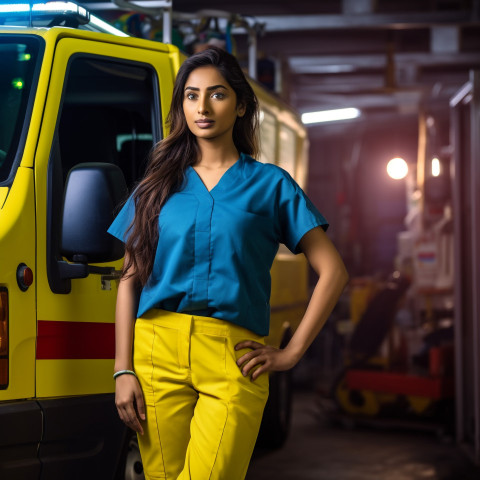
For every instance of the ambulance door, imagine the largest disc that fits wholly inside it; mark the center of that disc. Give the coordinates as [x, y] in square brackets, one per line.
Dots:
[103, 105]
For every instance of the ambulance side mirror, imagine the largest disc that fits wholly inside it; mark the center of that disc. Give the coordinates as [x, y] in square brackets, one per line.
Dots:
[93, 192]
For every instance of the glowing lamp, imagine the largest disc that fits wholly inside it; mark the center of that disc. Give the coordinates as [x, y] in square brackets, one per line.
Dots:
[330, 115]
[397, 168]
[435, 167]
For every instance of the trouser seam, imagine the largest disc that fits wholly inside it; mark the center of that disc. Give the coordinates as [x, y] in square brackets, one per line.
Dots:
[225, 348]
[153, 392]
[220, 441]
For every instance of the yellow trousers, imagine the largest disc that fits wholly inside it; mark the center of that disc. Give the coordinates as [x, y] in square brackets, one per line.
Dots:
[202, 414]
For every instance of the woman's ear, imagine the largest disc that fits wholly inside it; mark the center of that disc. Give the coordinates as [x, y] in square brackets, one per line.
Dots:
[241, 109]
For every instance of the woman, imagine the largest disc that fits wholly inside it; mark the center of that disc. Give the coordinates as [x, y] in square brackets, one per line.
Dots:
[201, 232]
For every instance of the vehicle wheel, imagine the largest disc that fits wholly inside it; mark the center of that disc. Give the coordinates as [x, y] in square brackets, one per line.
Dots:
[419, 405]
[357, 402]
[133, 462]
[275, 425]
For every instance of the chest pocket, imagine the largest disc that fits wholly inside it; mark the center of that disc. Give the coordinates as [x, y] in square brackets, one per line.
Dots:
[177, 219]
[252, 235]
[251, 226]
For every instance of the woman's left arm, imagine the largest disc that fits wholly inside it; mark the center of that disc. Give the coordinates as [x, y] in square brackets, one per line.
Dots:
[327, 263]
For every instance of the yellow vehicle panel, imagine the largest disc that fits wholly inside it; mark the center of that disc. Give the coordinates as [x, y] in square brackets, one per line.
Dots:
[3, 195]
[17, 238]
[289, 295]
[76, 376]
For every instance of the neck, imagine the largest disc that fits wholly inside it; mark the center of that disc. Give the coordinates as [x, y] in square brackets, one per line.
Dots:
[216, 155]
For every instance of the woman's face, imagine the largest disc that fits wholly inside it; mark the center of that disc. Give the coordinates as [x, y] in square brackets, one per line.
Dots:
[210, 105]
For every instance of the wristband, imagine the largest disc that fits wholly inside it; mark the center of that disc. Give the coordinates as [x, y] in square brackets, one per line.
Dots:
[124, 372]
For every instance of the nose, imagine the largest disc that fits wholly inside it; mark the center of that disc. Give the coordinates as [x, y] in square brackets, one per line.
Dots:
[203, 105]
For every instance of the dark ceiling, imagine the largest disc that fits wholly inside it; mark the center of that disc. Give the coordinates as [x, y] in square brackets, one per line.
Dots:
[383, 56]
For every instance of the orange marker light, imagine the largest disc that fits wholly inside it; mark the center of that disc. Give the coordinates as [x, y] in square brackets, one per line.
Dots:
[28, 276]
[24, 277]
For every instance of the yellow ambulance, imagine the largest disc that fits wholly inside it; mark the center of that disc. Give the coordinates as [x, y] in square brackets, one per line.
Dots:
[80, 107]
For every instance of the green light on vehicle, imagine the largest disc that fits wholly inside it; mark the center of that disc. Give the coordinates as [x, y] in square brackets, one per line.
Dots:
[24, 57]
[17, 83]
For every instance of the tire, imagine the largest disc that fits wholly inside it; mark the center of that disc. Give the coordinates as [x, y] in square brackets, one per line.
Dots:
[357, 402]
[276, 420]
[133, 461]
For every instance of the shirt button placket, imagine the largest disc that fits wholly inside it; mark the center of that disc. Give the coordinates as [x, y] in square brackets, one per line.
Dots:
[201, 268]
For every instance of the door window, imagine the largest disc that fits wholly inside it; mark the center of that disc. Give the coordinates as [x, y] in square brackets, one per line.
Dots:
[110, 114]
[19, 59]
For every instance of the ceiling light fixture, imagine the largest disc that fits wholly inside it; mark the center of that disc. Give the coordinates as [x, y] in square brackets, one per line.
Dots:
[330, 115]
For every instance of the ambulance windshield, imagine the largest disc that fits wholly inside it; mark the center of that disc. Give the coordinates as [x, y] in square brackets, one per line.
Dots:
[18, 59]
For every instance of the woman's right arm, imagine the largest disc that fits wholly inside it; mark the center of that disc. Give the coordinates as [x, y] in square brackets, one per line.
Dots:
[128, 393]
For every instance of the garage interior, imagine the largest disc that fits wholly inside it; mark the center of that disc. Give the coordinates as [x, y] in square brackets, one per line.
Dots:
[412, 71]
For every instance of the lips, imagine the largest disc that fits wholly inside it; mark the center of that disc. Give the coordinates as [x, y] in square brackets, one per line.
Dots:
[204, 122]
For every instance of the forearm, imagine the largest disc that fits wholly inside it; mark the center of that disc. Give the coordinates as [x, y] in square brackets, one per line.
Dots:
[128, 393]
[125, 316]
[324, 298]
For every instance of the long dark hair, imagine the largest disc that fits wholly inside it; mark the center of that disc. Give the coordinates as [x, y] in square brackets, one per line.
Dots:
[171, 157]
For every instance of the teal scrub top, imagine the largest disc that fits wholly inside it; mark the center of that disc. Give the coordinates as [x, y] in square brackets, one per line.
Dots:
[216, 248]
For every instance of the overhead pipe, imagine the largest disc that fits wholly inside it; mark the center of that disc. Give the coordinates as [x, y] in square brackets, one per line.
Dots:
[164, 9]
[237, 21]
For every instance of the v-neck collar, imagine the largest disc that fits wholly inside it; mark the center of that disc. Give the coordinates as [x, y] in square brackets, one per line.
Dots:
[222, 182]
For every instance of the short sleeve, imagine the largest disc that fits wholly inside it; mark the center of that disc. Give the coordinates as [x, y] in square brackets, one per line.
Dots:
[297, 214]
[123, 220]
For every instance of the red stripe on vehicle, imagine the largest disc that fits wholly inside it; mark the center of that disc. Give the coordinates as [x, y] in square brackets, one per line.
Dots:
[75, 340]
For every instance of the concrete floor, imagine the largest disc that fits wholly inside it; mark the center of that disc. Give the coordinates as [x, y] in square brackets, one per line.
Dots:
[317, 449]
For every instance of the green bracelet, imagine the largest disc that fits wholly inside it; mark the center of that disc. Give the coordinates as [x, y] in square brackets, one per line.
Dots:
[123, 372]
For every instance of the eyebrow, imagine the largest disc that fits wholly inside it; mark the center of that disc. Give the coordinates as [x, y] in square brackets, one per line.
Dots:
[213, 87]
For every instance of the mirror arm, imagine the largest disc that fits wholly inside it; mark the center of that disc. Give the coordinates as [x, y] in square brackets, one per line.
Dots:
[101, 270]
[82, 269]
